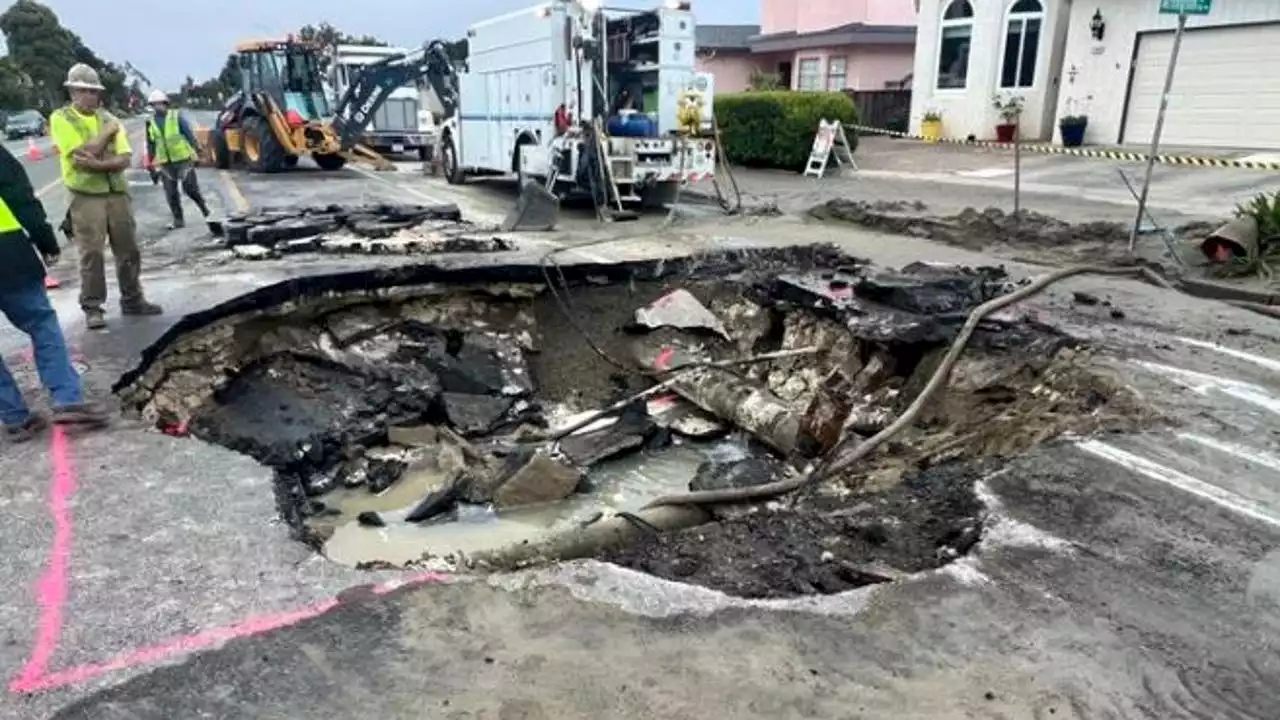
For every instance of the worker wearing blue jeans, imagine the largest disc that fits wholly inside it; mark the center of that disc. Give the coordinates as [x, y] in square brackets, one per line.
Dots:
[24, 230]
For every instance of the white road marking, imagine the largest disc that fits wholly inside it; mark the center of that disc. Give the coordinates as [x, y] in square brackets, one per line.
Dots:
[991, 172]
[1267, 363]
[1257, 457]
[1203, 384]
[1182, 481]
[407, 190]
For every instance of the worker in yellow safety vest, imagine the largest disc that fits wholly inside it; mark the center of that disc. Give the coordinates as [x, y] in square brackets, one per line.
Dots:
[95, 152]
[171, 152]
[25, 240]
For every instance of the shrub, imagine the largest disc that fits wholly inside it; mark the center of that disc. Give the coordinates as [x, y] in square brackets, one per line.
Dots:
[775, 129]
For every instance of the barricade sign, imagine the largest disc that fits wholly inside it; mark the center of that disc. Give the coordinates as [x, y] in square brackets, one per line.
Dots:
[830, 141]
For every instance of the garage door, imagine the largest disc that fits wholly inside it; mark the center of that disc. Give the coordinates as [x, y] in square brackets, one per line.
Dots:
[1226, 90]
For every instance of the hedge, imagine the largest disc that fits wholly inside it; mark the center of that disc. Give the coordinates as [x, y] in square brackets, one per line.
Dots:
[776, 128]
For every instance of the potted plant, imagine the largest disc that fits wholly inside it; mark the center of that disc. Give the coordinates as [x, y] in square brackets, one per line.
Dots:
[931, 126]
[1010, 109]
[1072, 128]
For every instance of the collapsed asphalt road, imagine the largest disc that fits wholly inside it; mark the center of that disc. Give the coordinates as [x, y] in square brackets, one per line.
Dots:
[404, 407]
[1094, 556]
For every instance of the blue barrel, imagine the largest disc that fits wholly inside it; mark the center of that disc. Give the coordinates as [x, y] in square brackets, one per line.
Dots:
[632, 124]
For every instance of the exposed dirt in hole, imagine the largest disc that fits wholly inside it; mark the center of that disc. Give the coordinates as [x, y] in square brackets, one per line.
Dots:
[922, 523]
[1036, 233]
[406, 424]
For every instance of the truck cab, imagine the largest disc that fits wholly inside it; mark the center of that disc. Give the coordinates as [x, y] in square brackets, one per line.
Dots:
[400, 125]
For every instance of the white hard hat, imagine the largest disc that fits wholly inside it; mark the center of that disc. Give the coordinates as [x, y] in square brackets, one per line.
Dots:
[157, 96]
[83, 77]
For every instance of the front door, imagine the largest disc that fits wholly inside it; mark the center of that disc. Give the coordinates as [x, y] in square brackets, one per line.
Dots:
[784, 75]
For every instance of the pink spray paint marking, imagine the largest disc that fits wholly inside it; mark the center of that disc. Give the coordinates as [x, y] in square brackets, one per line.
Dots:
[199, 641]
[52, 593]
[51, 589]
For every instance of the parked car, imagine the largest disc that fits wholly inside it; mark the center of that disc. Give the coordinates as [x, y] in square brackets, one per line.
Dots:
[28, 123]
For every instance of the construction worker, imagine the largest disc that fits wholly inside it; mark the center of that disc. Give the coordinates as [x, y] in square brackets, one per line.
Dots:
[24, 231]
[171, 146]
[95, 152]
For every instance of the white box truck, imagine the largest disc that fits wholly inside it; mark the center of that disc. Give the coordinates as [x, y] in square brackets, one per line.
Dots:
[403, 123]
[584, 100]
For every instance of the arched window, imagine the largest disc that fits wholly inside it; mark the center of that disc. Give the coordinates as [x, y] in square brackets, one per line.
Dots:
[1021, 44]
[953, 46]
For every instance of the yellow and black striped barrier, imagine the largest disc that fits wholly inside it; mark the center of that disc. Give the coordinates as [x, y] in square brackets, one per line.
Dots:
[1191, 160]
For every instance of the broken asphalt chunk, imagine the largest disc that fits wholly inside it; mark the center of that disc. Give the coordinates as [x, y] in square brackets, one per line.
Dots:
[535, 478]
[680, 309]
[474, 415]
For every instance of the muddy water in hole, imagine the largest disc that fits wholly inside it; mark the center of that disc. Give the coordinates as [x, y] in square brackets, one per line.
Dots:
[623, 484]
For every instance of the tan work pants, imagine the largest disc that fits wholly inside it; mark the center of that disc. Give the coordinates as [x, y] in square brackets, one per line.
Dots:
[95, 219]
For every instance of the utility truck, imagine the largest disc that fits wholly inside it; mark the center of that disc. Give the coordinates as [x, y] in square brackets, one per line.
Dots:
[582, 100]
[402, 123]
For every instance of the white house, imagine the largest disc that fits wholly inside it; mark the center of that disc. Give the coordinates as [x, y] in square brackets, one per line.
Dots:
[1105, 59]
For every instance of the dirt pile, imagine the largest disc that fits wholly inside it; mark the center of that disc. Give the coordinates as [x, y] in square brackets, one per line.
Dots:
[436, 409]
[981, 229]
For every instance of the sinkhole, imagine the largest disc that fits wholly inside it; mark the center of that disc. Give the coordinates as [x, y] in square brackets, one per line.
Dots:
[417, 416]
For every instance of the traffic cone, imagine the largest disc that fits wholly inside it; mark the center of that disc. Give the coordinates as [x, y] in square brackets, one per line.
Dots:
[33, 152]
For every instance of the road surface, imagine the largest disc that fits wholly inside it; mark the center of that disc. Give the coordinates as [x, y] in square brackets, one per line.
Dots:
[1123, 577]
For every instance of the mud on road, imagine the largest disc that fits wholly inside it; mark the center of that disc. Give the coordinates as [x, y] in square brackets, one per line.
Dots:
[1033, 234]
[410, 414]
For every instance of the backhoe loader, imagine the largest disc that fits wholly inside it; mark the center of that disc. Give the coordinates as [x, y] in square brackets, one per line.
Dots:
[282, 112]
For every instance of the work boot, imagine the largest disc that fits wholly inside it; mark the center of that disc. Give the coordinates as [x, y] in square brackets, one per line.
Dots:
[28, 430]
[95, 319]
[85, 413]
[141, 307]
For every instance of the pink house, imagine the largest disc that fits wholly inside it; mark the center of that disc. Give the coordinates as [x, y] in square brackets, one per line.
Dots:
[815, 45]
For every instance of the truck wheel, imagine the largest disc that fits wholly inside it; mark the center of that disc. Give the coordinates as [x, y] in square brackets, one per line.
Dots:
[262, 149]
[452, 170]
[221, 153]
[330, 162]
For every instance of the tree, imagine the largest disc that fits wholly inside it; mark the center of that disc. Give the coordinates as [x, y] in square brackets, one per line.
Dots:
[328, 37]
[42, 50]
[16, 89]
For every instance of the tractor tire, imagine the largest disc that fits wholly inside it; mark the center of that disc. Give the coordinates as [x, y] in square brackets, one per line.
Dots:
[453, 172]
[257, 133]
[221, 153]
[330, 162]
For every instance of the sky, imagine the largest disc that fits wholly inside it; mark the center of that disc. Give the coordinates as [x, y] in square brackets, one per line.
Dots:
[169, 40]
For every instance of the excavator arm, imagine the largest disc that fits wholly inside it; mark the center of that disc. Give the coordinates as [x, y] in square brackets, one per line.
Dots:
[371, 87]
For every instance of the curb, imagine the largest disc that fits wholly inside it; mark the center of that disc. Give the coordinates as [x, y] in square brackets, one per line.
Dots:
[1188, 160]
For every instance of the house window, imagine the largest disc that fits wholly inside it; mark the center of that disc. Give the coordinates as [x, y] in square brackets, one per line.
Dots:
[810, 74]
[953, 47]
[837, 73]
[1021, 44]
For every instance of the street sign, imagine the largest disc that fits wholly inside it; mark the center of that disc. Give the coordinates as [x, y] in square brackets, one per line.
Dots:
[1185, 7]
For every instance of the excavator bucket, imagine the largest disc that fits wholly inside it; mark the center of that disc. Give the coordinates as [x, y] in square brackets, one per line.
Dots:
[536, 210]
[373, 157]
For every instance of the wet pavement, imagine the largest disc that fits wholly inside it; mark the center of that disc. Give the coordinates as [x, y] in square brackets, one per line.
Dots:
[1125, 576]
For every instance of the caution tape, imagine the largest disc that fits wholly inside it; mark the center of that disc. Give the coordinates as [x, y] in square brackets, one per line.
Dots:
[1189, 160]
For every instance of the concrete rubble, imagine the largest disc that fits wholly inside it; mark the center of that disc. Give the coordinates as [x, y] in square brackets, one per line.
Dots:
[448, 389]
[382, 229]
